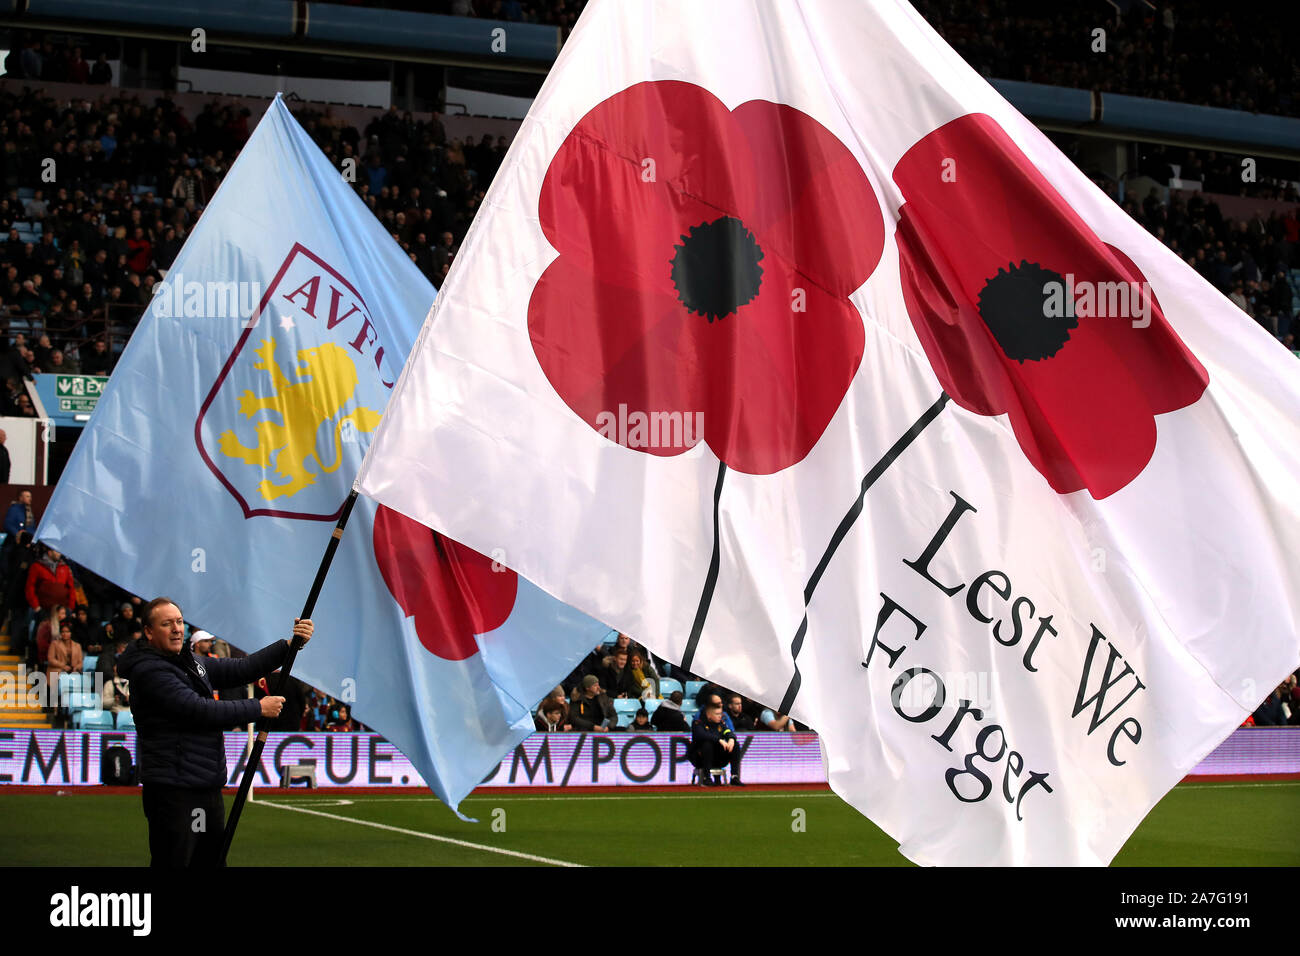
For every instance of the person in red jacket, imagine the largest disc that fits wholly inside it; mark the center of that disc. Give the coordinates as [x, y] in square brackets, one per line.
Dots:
[49, 582]
[139, 252]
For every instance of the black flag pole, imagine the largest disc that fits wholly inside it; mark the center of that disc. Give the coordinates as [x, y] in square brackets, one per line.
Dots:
[255, 755]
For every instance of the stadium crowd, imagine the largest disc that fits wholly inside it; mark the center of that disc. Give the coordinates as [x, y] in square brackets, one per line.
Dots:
[1154, 49]
[83, 253]
[130, 179]
[621, 685]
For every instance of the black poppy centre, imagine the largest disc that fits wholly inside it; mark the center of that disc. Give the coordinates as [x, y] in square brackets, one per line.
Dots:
[1013, 306]
[716, 268]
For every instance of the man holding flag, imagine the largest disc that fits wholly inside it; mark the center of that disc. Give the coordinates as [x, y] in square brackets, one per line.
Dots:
[180, 752]
[236, 419]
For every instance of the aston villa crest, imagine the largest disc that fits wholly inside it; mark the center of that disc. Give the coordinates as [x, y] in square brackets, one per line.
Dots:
[285, 425]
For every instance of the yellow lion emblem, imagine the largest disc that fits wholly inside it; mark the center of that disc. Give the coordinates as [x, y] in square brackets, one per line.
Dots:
[326, 381]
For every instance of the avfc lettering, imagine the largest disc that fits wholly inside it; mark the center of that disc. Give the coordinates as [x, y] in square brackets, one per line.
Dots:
[344, 307]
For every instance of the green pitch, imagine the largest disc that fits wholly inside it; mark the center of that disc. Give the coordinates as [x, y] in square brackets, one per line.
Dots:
[1229, 824]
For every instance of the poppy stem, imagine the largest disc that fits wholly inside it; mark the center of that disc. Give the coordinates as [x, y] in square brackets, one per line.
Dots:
[710, 580]
[841, 532]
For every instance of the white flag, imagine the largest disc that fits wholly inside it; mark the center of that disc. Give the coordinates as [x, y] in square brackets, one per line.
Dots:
[784, 344]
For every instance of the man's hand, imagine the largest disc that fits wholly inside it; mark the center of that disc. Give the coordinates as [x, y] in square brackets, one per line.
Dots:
[302, 630]
[271, 706]
[728, 745]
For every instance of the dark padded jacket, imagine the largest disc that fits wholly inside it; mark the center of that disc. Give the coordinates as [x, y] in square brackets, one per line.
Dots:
[178, 724]
[701, 728]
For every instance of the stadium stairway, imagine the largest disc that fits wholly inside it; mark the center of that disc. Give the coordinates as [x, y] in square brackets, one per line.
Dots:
[14, 711]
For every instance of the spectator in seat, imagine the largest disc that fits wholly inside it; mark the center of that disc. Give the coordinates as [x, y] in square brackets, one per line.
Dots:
[99, 361]
[770, 720]
[124, 622]
[19, 556]
[668, 717]
[621, 643]
[560, 695]
[65, 655]
[78, 68]
[644, 677]
[19, 516]
[47, 631]
[553, 717]
[49, 582]
[201, 644]
[617, 678]
[593, 663]
[13, 386]
[708, 690]
[311, 704]
[640, 722]
[43, 350]
[593, 711]
[101, 74]
[342, 722]
[741, 722]
[85, 633]
[108, 657]
[1273, 712]
[117, 693]
[713, 743]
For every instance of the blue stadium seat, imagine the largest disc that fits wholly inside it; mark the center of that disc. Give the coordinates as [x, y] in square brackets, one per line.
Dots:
[85, 700]
[125, 721]
[93, 720]
[626, 709]
[69, 685]
[650, 706]
[667, 685]
[693, 687]
[26, 192]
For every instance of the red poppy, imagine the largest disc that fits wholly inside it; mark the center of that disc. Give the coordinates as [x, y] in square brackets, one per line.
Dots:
[452, 591]
[984, 243]
[705, 262]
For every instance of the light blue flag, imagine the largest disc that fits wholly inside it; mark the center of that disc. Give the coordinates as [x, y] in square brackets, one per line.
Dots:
[219, 457]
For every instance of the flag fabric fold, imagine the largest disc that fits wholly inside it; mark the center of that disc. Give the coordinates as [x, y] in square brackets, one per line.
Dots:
[785, 345]
[220, 455]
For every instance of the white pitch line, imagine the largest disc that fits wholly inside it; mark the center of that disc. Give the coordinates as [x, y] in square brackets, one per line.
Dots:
[419, 833]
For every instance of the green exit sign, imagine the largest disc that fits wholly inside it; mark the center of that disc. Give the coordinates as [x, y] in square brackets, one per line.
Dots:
[79, 393]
